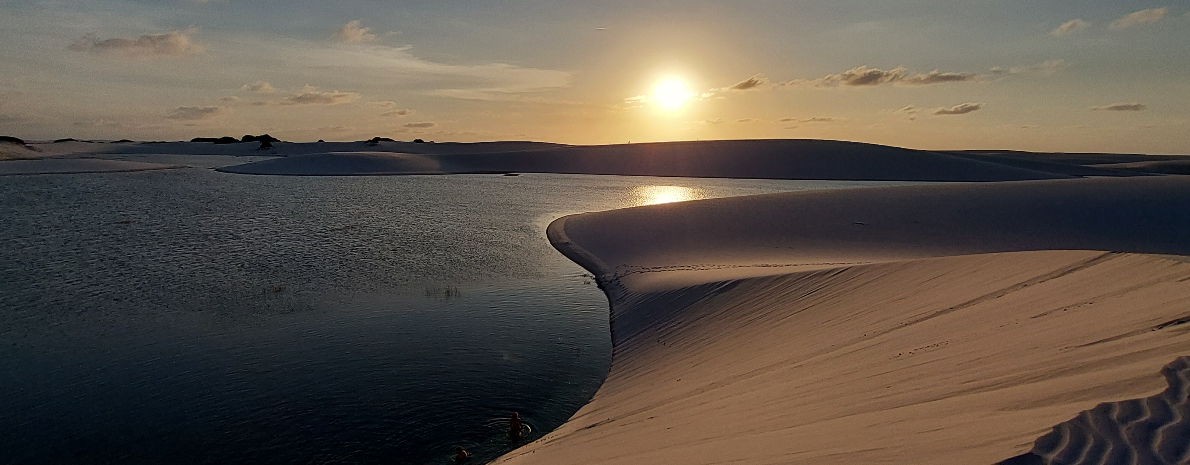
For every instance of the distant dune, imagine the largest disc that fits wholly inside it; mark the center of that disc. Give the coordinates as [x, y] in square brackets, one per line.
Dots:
[759, 159]
[919, 325]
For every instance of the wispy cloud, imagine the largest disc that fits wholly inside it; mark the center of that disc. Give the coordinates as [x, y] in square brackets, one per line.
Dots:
[960, 109]
[1148, 16]
[171, 44]
[754, 82]
[259, 87]
[814, 119]
[936, 77]
[863, 76]
[418, 125]
[746, 120]
[1121, 107]
[197, 113]
[352, 32]
[1047, 67]
[397, 113]
[310, 95]
[1070, 27]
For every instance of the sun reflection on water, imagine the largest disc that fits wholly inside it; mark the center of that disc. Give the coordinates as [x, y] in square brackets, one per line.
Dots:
[654, 195]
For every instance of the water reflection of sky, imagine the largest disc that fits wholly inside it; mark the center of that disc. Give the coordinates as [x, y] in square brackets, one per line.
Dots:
[654, 195]
[376, 319]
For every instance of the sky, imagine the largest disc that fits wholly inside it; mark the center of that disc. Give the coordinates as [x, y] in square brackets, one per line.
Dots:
[1085, 75]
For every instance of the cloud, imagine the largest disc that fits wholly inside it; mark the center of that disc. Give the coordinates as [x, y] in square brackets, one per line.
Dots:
[746, 120]
[711, 121]
[863, 76]
[232, 99]
[754, 82]
[1148, 16]
[260, 87]
[936, 77]
[353, 33]
[172, 44]
[418, 125]
[397, 113]
[383, 104]
[815, 119]
[1120, 107]
[197, 113]
[960, 109]
[1070, 27]
[1047, 67]
[310, 95]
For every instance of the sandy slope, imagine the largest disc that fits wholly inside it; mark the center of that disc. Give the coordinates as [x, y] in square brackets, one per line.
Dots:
[934, 324]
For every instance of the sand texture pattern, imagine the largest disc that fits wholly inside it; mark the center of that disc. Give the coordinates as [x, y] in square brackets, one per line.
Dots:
[930, 324]
[1154, 430]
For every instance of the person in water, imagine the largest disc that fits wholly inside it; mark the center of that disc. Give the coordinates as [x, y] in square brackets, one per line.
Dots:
[461, 455]
[515, 427]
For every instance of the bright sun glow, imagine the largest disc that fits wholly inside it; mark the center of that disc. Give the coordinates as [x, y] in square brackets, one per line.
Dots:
[671, 94]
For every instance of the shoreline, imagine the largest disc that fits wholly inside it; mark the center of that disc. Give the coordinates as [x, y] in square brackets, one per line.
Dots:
[716, 361]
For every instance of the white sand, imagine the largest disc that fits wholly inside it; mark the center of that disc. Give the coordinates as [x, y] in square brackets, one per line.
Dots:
[931, 324]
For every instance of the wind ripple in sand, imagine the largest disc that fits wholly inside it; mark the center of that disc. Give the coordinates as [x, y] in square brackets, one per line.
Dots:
[1152, 430]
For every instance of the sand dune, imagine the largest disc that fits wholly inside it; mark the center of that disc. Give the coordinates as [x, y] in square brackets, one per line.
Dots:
[760, 159]
[931, 324]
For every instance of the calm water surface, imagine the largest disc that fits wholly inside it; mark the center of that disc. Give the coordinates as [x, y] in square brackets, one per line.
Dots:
[189, 316]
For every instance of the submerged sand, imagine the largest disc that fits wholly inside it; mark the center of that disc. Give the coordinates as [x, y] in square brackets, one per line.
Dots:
[927, 324]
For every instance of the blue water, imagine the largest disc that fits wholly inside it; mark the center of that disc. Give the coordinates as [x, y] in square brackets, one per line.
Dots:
[189, 316]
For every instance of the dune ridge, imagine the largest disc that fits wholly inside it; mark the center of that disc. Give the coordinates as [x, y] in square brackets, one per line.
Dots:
[927, 324]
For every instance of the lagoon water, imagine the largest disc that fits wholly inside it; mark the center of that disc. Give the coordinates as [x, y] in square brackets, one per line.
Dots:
[189, 316]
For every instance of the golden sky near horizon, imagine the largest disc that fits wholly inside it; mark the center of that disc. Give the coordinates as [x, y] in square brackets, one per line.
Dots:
[1063, 76]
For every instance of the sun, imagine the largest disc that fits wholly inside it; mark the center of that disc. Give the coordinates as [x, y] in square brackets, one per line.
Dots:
[671, 94]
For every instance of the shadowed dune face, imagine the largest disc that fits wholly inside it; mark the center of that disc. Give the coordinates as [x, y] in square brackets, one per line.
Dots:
[926, 324]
